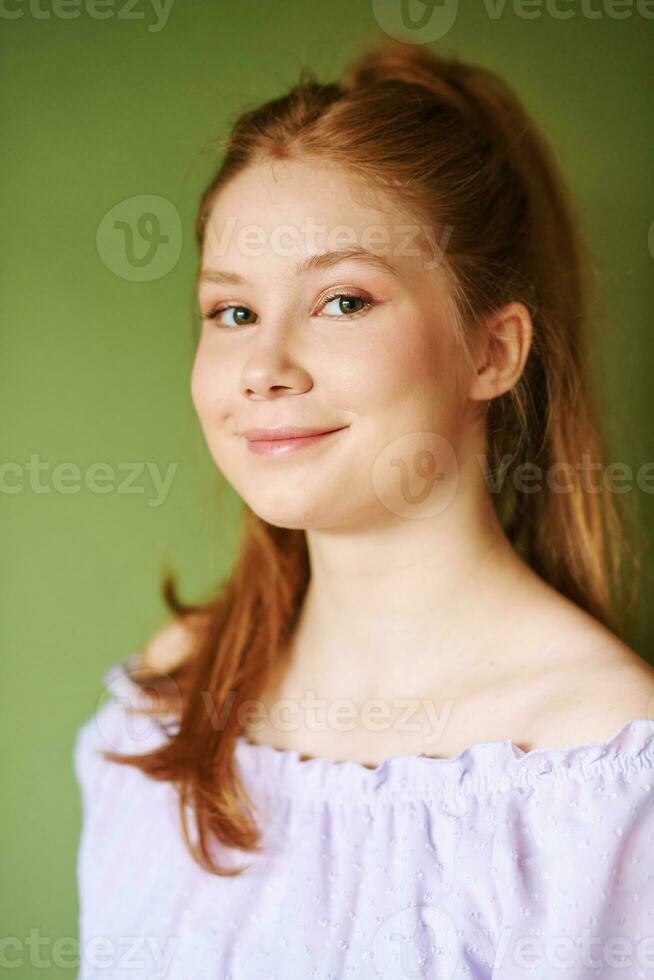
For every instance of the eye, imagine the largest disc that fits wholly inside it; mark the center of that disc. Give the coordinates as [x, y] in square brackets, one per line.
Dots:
[346, 302]
[214, 314]
[347, 308]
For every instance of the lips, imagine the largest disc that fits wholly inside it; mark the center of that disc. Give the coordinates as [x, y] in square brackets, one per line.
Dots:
[286, 432]
[286, 440]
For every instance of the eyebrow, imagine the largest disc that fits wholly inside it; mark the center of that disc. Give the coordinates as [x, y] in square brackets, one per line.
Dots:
[319, 260]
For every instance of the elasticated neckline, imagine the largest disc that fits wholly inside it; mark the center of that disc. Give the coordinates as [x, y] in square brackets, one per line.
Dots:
[483, 767]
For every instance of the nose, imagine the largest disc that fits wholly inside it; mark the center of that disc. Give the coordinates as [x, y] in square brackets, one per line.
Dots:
[271, 368]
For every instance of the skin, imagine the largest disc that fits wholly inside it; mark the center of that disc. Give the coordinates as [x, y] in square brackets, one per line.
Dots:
[423, 600]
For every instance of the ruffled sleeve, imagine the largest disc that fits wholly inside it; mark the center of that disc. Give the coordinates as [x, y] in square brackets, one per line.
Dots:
[118, 814]
[117, 724]
[573, 856]
[114, 725]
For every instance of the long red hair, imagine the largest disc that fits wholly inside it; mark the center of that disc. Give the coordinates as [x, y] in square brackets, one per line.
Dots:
[452, 143]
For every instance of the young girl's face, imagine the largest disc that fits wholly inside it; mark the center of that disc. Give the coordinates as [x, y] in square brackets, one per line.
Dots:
[297, 333]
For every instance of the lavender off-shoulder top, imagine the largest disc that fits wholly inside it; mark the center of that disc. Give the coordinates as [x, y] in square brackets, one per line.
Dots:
[497, 864]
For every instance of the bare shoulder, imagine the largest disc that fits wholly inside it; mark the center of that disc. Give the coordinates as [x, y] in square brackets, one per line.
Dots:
[169, 645]
[608, 684]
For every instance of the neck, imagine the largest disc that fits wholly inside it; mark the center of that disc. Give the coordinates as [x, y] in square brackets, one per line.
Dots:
[419, 599]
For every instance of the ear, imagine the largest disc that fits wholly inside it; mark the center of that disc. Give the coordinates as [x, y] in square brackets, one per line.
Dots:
[501, 356]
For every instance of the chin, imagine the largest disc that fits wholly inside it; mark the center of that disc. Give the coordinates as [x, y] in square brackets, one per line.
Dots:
[296, 508]
[297, 517]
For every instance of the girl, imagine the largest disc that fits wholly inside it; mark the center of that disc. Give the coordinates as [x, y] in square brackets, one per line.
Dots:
[406, 738]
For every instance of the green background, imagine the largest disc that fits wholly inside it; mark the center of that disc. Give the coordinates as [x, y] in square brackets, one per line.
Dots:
[95, 366]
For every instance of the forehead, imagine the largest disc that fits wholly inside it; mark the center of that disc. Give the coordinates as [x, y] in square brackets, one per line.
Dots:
[284, 211]
[293, 192]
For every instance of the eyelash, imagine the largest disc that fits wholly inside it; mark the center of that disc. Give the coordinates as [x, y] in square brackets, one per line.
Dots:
[216, 311]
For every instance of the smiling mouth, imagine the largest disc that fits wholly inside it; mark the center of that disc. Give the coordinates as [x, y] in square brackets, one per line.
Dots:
[284, 445]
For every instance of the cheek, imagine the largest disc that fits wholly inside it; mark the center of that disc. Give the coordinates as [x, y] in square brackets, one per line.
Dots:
[429, 361]
[409, 367]
[208, 389]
